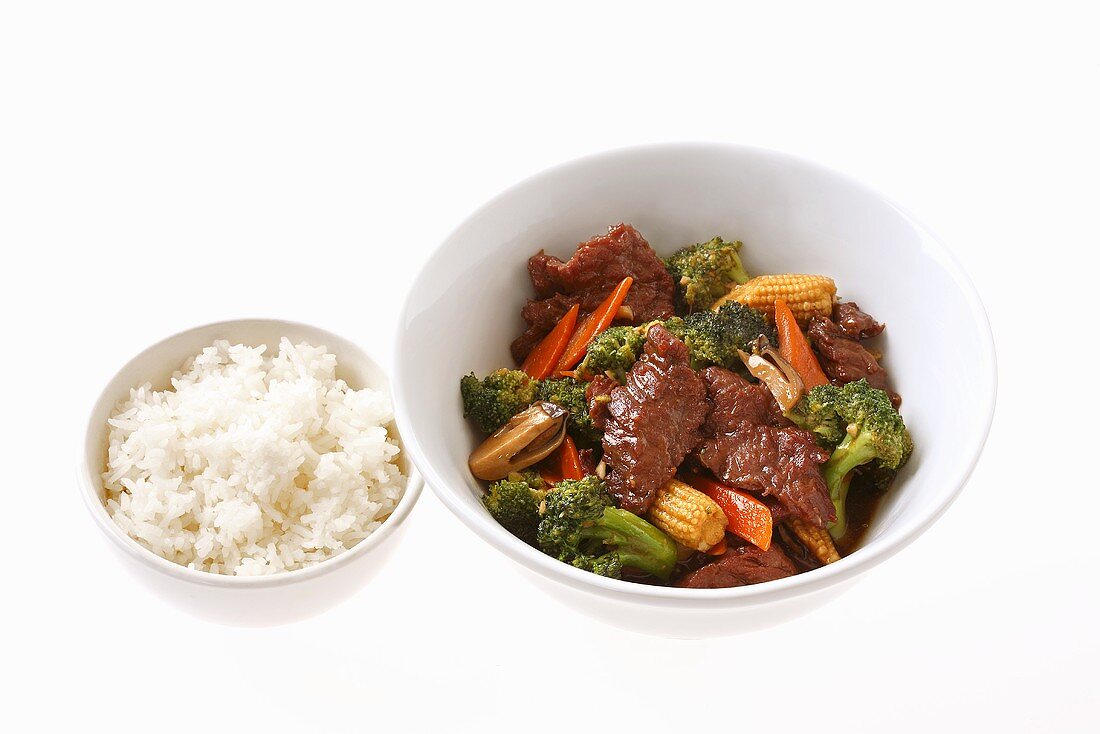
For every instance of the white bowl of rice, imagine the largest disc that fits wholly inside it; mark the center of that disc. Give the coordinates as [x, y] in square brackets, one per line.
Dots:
[249, 471]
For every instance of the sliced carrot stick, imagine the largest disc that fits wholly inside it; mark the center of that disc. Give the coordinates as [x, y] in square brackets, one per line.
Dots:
[794, 348]
[746, 516]
[593, 324]
[540, 362]
[718, 548]
[570, 460]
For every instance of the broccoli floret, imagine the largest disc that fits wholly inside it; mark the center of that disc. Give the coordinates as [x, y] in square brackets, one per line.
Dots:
[614, 351]
[492, 401]
[514, 503]
[580, 526]
[745, 324]
[705, 272]
[817, 413]
[707, 340]
[568, 393]
[868, 431]
[713, 337]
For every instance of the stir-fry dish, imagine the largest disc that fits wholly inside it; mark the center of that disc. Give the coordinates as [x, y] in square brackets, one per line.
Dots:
[682, 422]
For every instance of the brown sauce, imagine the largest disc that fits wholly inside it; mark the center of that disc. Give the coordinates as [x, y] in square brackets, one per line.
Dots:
[863, 501]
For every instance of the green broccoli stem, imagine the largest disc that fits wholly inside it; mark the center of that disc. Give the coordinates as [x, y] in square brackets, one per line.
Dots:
[853, 452]
[740, 275]
[638, 544]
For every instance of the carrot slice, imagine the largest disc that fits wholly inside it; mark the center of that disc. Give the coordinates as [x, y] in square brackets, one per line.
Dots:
[718, 548]
[570, 460]
[593, 324]
[746, 516]
[540, 362]
[794, 348]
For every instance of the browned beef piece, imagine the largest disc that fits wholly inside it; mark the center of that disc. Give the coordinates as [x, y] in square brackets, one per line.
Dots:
[855, 323]
[588, 460]
[654, 421]
[741, 567]
[541, 316]
[845, 360]
[751, 446]
[598, 397]
[735, 400]
[588, 277]
[780, 462]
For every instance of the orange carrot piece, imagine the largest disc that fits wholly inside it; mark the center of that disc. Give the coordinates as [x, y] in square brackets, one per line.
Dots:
[718, 548]
[570, 460]
[794, 348]
[593, 324]
[746, 516]
[540, 362]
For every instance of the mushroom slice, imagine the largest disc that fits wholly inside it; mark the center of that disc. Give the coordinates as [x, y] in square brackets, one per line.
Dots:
[782, 380]
[526, 439]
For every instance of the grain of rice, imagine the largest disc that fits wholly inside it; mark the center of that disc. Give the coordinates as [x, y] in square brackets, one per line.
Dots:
[251, 465]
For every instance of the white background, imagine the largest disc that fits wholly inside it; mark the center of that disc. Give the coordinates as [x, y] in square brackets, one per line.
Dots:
[165, 165]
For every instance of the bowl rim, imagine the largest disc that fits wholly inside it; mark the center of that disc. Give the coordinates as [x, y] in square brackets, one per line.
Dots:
[846, 568]
[130, 547]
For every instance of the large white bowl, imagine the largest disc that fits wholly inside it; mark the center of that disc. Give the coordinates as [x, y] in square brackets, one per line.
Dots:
[255, 600]
[792, 216]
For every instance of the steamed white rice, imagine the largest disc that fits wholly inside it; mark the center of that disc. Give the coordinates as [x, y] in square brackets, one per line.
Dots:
[252, 465]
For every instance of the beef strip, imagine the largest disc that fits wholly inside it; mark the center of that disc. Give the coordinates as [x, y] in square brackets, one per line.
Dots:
[588, 277]
[781, 462]
[751, 446]
[588, 460]
[598, 397]
[653, 422]
[735, 400]
[855, 323]
[540, 316]
[741, 567]
[845, 360]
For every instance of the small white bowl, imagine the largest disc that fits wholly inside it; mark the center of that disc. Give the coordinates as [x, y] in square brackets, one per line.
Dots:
[793, 216]
[251, 601]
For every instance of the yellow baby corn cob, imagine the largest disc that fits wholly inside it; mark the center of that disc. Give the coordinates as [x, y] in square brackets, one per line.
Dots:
[816, 539]
[688, 515]
[807, 295]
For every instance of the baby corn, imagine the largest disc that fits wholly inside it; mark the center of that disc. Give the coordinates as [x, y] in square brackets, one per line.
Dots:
[807, 295]
[688, 516]
[816, 539]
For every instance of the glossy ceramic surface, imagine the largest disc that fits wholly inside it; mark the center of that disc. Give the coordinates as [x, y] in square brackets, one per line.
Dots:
[256, 600]
[793, 216]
